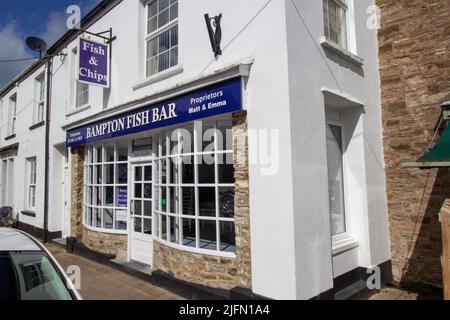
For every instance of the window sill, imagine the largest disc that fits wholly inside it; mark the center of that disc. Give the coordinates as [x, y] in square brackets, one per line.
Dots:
[37, 125]
[105, 231]
[159, 77]
[195, 250]
[10, 137]
[28, 213]
[341, 245]
[78, 110]
[343, 53]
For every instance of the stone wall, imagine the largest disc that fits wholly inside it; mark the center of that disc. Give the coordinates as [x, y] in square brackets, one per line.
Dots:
[110, 244]
[77, 181]
[211, 271]
[414, 43]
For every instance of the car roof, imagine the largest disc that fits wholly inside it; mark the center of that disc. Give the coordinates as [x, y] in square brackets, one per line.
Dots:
[14, 240]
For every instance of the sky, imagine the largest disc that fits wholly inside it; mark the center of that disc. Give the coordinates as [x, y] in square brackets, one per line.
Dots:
[19, 19]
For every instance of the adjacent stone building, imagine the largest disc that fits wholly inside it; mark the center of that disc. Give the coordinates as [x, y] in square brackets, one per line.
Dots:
[414, 44]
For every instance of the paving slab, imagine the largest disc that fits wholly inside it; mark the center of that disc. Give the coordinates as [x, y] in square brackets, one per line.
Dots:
[100, 282]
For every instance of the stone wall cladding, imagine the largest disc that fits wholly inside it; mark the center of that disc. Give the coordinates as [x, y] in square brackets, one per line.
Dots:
[77, 176]
[110, 244]
[414, 43]
[212, 271]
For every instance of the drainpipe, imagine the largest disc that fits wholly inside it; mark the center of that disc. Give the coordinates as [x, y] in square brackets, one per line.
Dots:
[47, 148]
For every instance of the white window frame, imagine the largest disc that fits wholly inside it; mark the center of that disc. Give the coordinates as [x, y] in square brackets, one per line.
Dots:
[178, 216]
[346, 6]
[91, 158]
[79, 88]
[156, 33]
[8, 182]
[339, 238]
[38, 116]
[12, 115]
[31, 176]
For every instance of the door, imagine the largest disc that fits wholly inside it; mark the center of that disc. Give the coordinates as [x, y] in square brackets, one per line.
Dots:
[141, 214]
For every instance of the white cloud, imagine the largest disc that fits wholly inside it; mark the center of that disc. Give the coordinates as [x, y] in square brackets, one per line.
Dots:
[55, 27]
[13, 47]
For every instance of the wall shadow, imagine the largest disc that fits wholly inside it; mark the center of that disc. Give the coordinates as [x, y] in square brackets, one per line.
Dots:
[425, 261]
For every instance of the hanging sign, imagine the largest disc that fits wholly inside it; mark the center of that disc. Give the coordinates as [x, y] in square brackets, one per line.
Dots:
[217, 99]
[93, 67]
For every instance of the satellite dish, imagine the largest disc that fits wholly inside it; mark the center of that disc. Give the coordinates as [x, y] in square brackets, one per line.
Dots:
[36, 44]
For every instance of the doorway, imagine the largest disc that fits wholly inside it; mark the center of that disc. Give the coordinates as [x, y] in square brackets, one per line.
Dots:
[141, 213]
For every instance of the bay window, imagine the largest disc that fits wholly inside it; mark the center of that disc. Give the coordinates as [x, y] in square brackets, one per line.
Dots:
[161, 36]
[194, 187]
[106, 186]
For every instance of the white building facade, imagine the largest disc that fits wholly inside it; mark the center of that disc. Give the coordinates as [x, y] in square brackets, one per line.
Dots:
[259, 169]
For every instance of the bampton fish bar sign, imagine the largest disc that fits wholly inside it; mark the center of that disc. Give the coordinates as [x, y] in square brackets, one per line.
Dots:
[218, 99]
[93, 66]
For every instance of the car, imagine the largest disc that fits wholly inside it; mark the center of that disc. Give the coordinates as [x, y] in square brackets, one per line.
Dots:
[28, 271]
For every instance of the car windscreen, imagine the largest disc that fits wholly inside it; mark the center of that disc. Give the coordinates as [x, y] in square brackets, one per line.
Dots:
[30, 276]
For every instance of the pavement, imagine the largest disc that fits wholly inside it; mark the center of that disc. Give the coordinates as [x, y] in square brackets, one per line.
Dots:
[100, 282]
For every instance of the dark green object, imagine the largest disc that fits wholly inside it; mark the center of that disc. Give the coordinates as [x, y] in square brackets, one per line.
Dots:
[441, 150]
[163, 202]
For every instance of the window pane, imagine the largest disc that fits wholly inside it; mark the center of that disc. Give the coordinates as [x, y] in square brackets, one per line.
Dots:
[174, 233]
[188, 170]
[174, 56]
[123, 151]
[163, 18]
[152, 48]
[152, 8]
[164, 171]
[163, 4]
[99, 152]
[152, 66]
[164, 61]
[189, 233]
[206, 172]
[108, 193]
[226, 202]
[208, 133]
[226, 173]
[174, 12]
[108, 221]
[207, 202]
[163, 227]
[173, 37]
[99, 170]
[122, 173]
[173, 170]
[227, 237]
[173, 200]
[187, 139]
[138, 190]
[336, 179]
[138, 208]
[148, 173]
[188, 198]
[225, 135]
[208, 235]
[138, 225]
[147, 226]
[138, 174]
[163, 199]
[147, 208]
[97, 218]
[147, 191]
[109, 153]
[109, 174]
